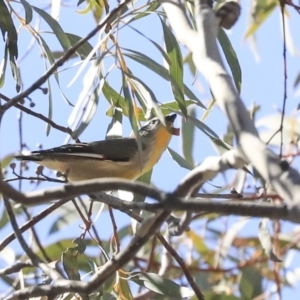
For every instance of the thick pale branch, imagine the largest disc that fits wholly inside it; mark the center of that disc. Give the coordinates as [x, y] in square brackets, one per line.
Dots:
[71, 190]
[210, 168]
[206, 56]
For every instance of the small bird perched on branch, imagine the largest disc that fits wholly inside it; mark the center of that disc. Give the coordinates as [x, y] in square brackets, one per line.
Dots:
[109, 158]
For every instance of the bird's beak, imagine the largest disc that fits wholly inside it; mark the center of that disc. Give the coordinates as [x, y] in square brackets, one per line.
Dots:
[171, 119]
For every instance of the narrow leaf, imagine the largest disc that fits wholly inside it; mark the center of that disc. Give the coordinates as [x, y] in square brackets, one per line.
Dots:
[231, 58]
[179, 159]
[169, 107]
[261, 12]
[250, 283]
[187, 136]
[148, 97]
[176, 67]
[3, 67]
[90, 109]
[54, 25]
[7, 26]
[160, 70]
[70, 263]
[162, 286]
[28, 11]
[114, 129]
[51, 59]
[154, 6]
[50, 107]
[15, 72]
[297, 80]
[84, 50]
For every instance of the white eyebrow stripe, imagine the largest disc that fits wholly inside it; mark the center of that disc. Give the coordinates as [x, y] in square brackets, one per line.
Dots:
[88, 155]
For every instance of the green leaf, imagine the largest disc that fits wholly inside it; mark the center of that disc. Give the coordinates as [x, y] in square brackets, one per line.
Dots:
[250, 284]
[5, 162]
[148, 98]
[154, 6]
[93, 265]
[70, 263]
[161, 285]
[160, 70]
[209, 110]
[176, 67]
[261, 12]
[149, 63]
[122, 287]
[204, 128]
[180, 160]
[130, 109]
[214, 296]
[4, 220]
[3, 67]
[114, 129]
[90, 110]
[220, 145]
[159, 48]
[54, 25]
[84, 50]
[199, 245]
[297, 80]
[170, 107]
[10, 35]
[190, 62]
[7, 26]
[80, 245]
[28, 11]
[187, 135]
[50, 107]
[15, 72]
[145, 178]
[51, 59]
[116, 100]
[231, 58]
[192, 96]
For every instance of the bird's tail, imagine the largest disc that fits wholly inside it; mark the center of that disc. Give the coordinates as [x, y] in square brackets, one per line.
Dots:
[29, 157]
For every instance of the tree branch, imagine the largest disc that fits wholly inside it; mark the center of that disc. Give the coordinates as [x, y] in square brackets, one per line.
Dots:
[208, 61]
[106, 21]
[40, 116]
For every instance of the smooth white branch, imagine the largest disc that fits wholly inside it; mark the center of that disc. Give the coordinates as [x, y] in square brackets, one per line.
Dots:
[203, 45]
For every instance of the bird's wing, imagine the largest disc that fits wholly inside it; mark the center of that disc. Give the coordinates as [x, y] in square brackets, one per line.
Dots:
[114, 149]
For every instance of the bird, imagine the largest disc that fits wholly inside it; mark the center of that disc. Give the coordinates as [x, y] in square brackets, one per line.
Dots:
[127, 158]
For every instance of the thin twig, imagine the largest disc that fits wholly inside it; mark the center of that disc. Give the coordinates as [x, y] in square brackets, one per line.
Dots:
[182, 265]
[40, 116]
[34, 220]
[53, 274]
[104, 23]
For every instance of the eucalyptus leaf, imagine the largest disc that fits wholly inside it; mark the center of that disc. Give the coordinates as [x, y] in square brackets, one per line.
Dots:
[176, 66]
[28, 11]
[55, 26]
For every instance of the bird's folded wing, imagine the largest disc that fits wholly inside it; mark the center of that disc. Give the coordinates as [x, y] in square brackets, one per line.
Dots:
[114, 149]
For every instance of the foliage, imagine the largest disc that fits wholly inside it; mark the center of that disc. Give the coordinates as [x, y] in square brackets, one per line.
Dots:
[222, 262]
